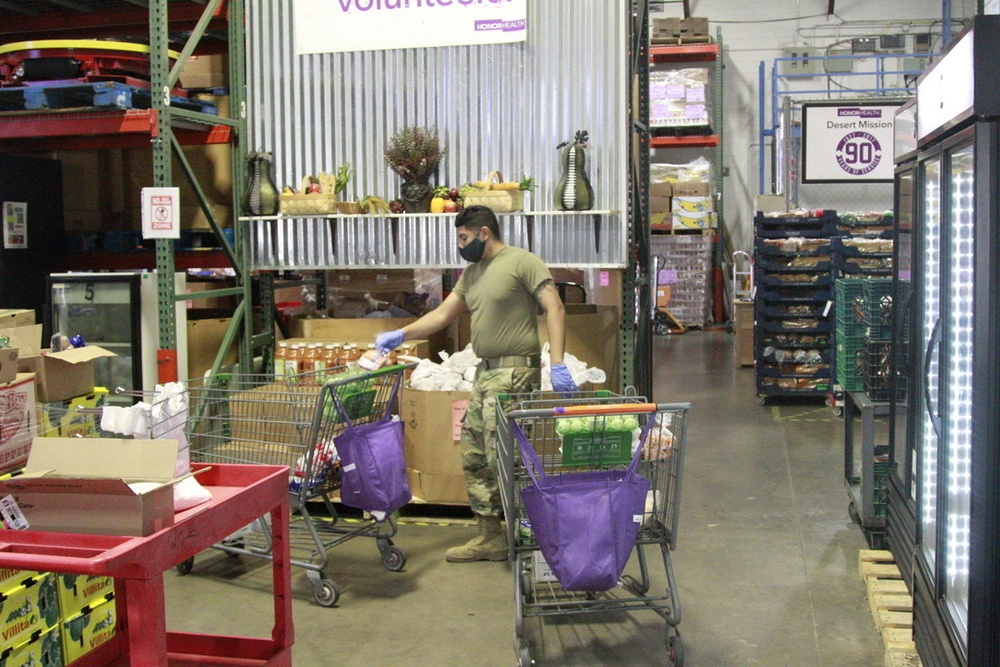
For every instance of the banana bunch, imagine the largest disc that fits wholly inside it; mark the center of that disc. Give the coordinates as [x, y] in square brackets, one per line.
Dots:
[374, 205]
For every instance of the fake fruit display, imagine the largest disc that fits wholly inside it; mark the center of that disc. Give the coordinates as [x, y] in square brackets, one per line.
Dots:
[446, 200]
[437, 205]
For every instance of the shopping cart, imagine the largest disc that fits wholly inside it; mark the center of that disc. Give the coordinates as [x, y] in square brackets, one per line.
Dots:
[261, 419]
[601, 446]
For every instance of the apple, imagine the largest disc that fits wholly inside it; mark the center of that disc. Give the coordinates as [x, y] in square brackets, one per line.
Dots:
[450, 206]
[453, 194]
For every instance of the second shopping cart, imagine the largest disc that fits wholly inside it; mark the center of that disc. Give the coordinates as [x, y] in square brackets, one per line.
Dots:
[597, 434]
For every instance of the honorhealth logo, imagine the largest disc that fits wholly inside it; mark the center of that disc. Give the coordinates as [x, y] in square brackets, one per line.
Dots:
[505, 26]
[855, 112]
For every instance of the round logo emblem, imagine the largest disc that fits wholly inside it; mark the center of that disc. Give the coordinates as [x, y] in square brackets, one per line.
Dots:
[859, 153]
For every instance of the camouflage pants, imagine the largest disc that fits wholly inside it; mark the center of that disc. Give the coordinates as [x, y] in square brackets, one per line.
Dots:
[479, 429]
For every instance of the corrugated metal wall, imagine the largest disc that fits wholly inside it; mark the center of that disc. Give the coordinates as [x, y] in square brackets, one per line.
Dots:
[502, 106]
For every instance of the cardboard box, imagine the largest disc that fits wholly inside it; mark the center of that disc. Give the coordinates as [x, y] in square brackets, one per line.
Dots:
[83, 633]
[17, 421]
[694, 26]
[39, 650]
[691, 189]
[11, 578]
[73, 418]
[8, 364]
[744, 333]
[204, 340]
[431, 434]
[16, 317]
[29, 608]
[772, 203]
[592, 336]
[77, 591]
[364, 330]
[692, 204]
[60, 376]
[27, 339]
[687, 220]
[81, 485]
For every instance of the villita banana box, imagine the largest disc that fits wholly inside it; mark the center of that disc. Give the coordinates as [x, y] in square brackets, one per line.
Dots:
[77, 591]
[26, 609]
[691, 204]
[42, 649]
[84, 632]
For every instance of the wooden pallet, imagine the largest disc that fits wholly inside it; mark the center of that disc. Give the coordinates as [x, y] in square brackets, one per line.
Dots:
[891, 605]
[662, 40]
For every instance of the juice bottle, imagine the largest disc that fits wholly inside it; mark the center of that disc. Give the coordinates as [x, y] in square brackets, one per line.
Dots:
[327, 361]
[280, 353]
[309, 355]
[293, 362]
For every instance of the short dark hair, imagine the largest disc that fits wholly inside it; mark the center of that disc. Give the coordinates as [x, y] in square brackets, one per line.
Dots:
[475, 217]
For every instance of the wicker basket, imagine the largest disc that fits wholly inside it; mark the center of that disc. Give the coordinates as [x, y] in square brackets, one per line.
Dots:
[500, 201]
[313, 204]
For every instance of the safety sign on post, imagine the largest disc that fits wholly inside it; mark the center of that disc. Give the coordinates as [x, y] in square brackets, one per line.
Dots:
[161, 213]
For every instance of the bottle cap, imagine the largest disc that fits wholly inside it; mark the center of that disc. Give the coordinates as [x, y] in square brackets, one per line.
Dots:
[77, 341]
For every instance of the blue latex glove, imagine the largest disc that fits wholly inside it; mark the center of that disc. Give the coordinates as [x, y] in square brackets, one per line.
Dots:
[389, 340]
[562, 381]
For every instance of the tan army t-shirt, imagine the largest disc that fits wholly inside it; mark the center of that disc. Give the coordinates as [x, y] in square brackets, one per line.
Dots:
[500, 293]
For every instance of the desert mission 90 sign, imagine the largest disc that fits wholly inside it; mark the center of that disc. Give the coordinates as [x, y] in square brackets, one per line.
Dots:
[847, 142]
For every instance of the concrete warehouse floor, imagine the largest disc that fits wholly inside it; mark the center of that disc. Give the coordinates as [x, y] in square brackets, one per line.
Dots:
[766, 559]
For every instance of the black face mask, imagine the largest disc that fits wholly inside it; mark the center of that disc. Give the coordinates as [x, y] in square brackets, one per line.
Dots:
[473, 250]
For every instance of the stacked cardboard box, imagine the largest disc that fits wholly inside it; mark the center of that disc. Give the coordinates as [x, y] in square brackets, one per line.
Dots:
[677, 98]
[684, 285]
[674, 30]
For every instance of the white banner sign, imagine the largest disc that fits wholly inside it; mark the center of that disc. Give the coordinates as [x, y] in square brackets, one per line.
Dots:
[161, 213]
[329, 26]
[847, 143]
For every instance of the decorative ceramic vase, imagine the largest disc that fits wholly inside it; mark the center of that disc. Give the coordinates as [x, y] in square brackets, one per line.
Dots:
[261, 196]
[573, 191]
[416, 196]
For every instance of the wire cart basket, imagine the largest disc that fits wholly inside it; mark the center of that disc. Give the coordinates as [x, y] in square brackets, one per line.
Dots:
[264, 420]
[601, 443]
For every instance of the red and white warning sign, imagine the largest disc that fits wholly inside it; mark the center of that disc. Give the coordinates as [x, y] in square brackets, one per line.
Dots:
[161, 213]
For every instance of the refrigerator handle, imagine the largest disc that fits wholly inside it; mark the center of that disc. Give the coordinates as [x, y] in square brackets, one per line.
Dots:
[935, 339]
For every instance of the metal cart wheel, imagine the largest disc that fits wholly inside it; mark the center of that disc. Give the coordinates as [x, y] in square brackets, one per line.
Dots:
[326, 594]
[393, 558]
[838, 411]
[661, 329]
[730, 327]
[184, 567]
[675, 649]
[524, 654]
[762, 400]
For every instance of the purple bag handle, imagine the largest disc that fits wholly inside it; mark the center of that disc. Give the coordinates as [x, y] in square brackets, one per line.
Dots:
[343, 412]
[534, 465]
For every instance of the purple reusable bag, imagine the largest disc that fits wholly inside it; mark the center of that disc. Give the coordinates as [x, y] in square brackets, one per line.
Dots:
[585, 523]
[373, 466]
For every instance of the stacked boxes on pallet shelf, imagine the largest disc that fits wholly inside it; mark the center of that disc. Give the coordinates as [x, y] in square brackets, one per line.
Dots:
[684, 284]
[794, 277]
[680, 99]
[863, 302]
[675, 30]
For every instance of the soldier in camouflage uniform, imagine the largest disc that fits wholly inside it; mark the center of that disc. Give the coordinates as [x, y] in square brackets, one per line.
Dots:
[502, 288]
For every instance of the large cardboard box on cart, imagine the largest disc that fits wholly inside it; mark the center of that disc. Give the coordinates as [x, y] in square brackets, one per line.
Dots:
[17, 420]
[431, 432]
[82, 485]
[592, 336]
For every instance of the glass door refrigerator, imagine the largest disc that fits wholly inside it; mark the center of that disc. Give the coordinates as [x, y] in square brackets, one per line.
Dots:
[946, 471]
[117, 311]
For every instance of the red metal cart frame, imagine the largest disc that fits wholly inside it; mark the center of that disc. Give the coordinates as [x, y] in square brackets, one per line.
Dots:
[240, 494]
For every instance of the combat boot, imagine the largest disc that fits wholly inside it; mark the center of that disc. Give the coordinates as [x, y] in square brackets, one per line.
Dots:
[489, 544]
